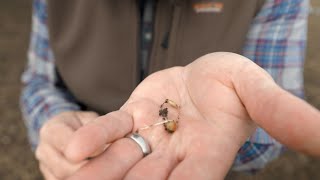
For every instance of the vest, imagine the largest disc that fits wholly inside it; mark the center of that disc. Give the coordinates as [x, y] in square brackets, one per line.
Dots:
[96, 44]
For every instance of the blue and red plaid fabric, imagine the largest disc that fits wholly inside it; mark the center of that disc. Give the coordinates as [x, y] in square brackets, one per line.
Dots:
[276, 41]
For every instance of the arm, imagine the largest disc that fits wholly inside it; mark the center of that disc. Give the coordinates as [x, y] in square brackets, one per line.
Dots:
[50, 112]
[276, 42]
[41, 97]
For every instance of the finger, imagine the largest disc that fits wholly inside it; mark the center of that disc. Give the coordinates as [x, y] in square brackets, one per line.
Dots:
[201, 166]
[113, 163]
[56, 134]
[55, 162]
[157, 165]
[99, 151]
[46, 173]
[93, 136]
[287, 118]
[86, 116]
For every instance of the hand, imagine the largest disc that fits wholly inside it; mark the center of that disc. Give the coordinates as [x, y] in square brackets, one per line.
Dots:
[54, 136]
[222, 96]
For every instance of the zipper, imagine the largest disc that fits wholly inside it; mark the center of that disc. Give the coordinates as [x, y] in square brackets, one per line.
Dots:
[138, 39]
[146, 58]
[173, 33]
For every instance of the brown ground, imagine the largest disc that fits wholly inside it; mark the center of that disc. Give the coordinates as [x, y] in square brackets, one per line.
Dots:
[16, 159]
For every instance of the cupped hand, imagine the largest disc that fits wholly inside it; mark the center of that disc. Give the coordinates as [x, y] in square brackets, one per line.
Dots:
[222, 96]
[54, 137]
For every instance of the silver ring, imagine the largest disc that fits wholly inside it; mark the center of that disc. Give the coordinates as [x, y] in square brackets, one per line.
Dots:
[141, 142]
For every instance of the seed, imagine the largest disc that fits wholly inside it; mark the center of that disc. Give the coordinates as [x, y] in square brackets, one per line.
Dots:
[171, 126]
[163, 112]
[172, 103]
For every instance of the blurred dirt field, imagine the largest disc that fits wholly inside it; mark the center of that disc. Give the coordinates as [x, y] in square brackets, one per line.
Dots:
[17, 161]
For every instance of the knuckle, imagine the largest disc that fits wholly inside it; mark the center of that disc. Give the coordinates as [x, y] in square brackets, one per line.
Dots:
[44, 130]
[48, 129]
[88, 114]
[52, 172]
[51, 126]
[39, 153]
[63, 171]
[60, 173]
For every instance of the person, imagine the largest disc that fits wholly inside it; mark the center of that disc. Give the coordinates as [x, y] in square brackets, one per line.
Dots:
[90, 65]
[211, 128]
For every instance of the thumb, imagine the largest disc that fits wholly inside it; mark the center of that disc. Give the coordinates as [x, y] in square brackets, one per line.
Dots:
[285, 117]
[93, 137]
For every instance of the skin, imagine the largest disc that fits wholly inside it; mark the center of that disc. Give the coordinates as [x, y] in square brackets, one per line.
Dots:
[223, 97]
[54, 137]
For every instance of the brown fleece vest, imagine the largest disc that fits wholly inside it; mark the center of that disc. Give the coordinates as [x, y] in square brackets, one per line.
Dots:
[96, 44]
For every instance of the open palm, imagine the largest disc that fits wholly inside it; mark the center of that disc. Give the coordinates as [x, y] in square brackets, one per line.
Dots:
[222, 97]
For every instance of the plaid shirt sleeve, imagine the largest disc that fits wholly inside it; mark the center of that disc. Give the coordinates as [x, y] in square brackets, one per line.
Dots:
[276, 42]
[41, 96]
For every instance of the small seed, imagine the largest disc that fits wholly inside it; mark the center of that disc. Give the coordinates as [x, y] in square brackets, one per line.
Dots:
[171, 126]
[172, 103]
[163, 112]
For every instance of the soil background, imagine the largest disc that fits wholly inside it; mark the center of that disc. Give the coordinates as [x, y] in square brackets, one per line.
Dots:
[18, 162]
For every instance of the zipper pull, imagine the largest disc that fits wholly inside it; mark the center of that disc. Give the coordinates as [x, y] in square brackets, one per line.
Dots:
[165, 41]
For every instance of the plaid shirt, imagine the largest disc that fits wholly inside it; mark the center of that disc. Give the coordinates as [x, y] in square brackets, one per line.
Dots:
[276, 41]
